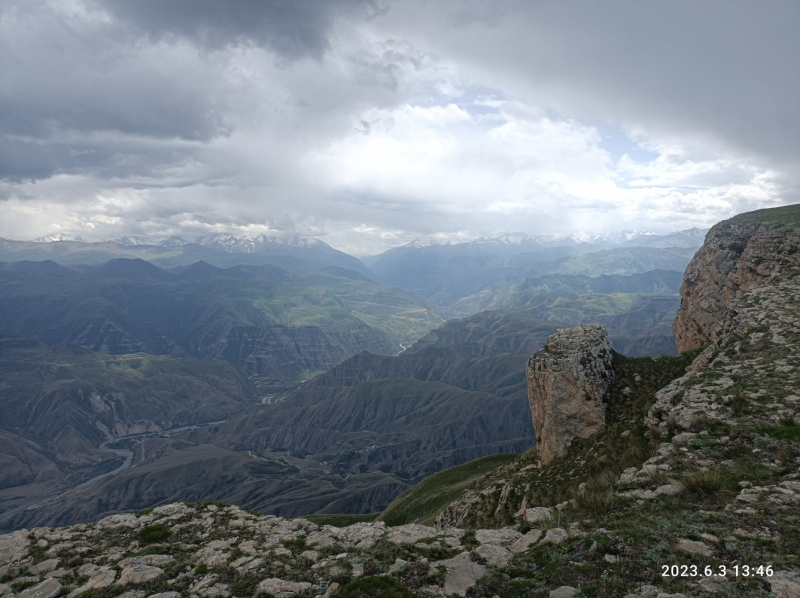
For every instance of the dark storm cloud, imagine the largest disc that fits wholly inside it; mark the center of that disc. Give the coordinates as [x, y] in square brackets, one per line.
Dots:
[195, 113]
[722, 68]
[292, 28]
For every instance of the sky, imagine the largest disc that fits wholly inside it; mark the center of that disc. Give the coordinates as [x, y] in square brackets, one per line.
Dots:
[369, 123]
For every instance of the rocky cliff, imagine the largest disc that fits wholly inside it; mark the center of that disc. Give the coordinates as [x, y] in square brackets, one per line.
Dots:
[738, 254]
[567, 383]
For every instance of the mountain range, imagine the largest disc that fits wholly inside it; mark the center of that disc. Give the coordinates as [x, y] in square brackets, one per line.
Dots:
[282, 325]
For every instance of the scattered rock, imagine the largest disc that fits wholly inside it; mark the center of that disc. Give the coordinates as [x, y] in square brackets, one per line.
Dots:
[506, 535]
[43, 567]
[165, 595]
[283, 589]
[495, 556]
[49, 588]
[555, 535]
[462, 573]
[564, 592]
[537, 514]
[398, 565]
[669, 489]
[694, 547]
[138, 574]
[101, 578]
[785, 584]
[530, 538]
[611, 558]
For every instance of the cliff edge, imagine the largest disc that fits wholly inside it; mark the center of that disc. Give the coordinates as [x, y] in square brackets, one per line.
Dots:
[738, 254]
[567, 382]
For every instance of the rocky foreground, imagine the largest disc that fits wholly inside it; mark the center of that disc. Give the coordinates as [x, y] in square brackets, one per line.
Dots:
[211, 550]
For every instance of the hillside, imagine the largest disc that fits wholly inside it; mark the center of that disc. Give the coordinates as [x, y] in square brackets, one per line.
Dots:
[298, 255]
[660, 282]
[59, 404]
[257, 318]
[446, 274]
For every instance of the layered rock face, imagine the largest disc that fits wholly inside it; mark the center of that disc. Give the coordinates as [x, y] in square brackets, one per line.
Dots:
[567, 382]
[738, 254]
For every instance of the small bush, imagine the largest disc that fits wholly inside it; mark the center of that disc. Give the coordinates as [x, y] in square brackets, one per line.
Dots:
[596, 503]
[153, 533]
[705, 484]
[738, 404]
[144, 512]
[735, 452]
[201, 569]
[468, 540]
[295, 545]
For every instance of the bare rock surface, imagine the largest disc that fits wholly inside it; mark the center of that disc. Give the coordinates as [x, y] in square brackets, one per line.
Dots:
[462, 573]
[567, 383]
[738, 254]
[50, 588]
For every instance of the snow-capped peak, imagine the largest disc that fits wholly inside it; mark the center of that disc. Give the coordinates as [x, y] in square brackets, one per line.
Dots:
[56, 237]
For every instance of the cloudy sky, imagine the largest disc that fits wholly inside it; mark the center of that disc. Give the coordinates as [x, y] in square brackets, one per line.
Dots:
[368, 123]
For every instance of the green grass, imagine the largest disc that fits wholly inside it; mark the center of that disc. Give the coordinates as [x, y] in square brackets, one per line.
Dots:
[153, 533]
[789, 215]
[341, 520]
[423, 502]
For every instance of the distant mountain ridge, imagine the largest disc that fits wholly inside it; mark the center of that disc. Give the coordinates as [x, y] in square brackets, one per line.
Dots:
[283, 325]
[222, 251]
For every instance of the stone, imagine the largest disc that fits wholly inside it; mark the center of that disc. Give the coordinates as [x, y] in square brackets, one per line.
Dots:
[564, 592]
[567, 383]
[626, 477]
[43, 567]
[462, 573]
[712, 585]
[785, 584]
[537, 514]
[49, 588]
[694, 547]
[138, 574]
[100, 579]
[132, 594]
[119, 520]
[506, 535]
[165, 595]
[669, 489]
[495, 556]
[527, 540]
[555, 535]
[331, 590]
[397, 565]
[283, 589]
[13, 546]
[611, 558]
[149, 559]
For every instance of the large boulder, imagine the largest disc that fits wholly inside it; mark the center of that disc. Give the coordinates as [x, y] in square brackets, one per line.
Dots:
[567, 383]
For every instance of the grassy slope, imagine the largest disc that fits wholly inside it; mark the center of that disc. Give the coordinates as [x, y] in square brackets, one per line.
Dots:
[423, 502]
[788, 215]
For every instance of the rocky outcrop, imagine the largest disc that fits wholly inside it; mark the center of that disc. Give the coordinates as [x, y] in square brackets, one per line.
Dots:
[738, 254]
[567, 382]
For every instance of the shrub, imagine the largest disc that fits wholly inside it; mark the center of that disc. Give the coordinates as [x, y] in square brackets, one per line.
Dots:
[596, 503]
[153, 533]
[144, 512]
[295, 545]
[707, 483]
[201, 569]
